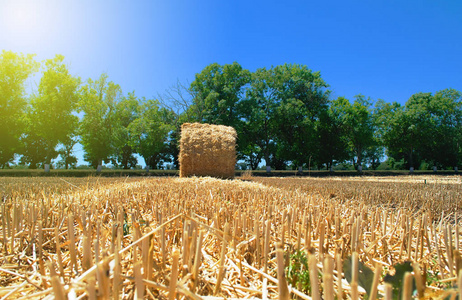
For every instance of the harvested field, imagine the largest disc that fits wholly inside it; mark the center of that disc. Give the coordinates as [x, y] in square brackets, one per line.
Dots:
[31, 187]
[204, 238]
[437, 196]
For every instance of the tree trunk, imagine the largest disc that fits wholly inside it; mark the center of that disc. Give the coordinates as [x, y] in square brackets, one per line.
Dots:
[254, 164]
[99, 168]
[268, 166]
[360, 158]
[411, 161]
[68, 154]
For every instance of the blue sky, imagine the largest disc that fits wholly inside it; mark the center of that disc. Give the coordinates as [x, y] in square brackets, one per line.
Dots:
[382, 49]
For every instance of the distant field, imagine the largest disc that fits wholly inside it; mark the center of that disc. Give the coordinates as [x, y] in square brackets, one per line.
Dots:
[274, 173]
[84, 173]
[204, 238]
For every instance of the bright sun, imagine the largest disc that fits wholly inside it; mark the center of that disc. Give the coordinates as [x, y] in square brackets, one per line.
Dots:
[27, 21]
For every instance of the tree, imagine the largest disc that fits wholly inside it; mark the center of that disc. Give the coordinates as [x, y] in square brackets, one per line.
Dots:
[217, 91]
[51, 118]
[333, 144]
[436, 120]
[150, 131]
[358, 126]
[376, 150]
[257, 110]
[68, 159]
[303, 97]
[280, 115]
[398, 132]
[98, 124]
[421, 130]
[14, 71]
[126, 112]
[446, 114]
[427, 129]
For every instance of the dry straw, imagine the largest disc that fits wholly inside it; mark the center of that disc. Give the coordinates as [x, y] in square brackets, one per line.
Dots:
[207, 150]
[165, 238]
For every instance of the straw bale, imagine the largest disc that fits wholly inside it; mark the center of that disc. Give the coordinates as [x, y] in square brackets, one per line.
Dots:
[207, 150]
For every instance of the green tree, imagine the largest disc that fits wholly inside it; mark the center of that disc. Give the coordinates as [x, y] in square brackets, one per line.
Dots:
[375, 153]
[358, 125]
[436, 120]
[398, 133]
[421, 129]
[303, 97]
[150, 131]
[427, 129]
[217, 90]
[257, 109]
[280, 115]
[14, 71]
[126, 112]
[51, 117]
[446, 114]
[65, 151]
[99, 122]
[333, 144]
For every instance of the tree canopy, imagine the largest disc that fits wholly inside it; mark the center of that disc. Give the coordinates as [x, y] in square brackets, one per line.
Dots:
[14, 71]
[283, 115]
[50, 117]
[98, 125]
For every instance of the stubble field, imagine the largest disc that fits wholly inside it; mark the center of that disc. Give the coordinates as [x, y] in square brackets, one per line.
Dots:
[204, 238]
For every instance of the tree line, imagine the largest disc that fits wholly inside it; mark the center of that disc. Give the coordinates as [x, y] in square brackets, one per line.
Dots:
[283, 115]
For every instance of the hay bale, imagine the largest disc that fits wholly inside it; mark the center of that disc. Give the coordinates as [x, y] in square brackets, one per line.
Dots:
[207, 150]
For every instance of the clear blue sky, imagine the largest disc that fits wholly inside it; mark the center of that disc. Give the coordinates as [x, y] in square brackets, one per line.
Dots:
[383, 49]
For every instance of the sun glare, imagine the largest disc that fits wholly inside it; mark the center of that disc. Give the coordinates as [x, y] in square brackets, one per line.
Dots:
[27, 22]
